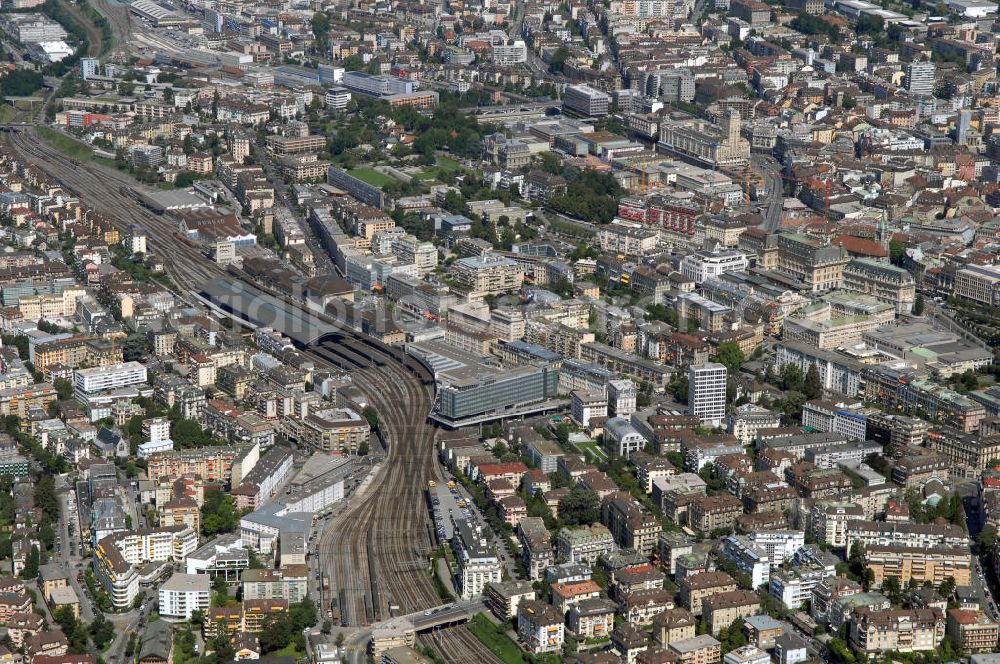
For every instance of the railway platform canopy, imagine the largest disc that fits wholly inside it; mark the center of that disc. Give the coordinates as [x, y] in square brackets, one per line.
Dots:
[257, 308]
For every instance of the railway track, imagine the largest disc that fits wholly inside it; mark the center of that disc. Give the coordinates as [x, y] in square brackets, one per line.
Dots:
[457, 645]
[106, 191]
[376, 552]
[120, 20]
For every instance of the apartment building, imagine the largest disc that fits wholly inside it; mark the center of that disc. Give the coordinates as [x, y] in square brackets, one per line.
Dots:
[972, 631]
[920, 565]
[972, 450]
[213, 464]
[722, 609]
[75, 351]
[701, 649]
[183, 594]
[479, 276]
[746, 420]
[540, 627]
[248, 617]
[707, 514]
[630, 524]
[626, 239]
[536, 546]
[97, 379]
[829, 519]
[288, 583]
[592, 618]
[117, 557]
[696, 587]
[675, 624]
[906, 534]
[477, 564]
[749, 558]
[913, 630]
[567, 594]
[639, 607]
[335, 430]
[504, 598]
[780, 546]
[584, 544]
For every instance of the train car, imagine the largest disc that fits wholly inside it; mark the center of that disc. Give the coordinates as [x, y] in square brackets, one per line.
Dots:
[335, 610]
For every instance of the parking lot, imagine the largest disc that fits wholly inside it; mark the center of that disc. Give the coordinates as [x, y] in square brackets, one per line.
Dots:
[448, 502]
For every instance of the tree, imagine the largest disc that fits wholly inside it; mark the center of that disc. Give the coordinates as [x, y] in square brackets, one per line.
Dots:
[31, 563]
[791, 378]
[21, 83]
[987, 540]
[218, 514]
[371, 415]
[580, 506]
[320, 25]
[947, 587]
[64, 388]
[102, 631]
[918, 305]
[188, 433]
[730, 355]
[135, 347]
[678, 386]
[892, 589]
[812, 387]
[897, 251]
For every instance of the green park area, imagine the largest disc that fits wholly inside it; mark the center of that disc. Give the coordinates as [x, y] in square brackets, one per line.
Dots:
[444, 165]
[591, 450]
[494, 638]
[371, 176]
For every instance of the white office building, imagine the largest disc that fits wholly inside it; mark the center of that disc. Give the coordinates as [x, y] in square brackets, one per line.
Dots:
[183, 594]
[707, 392]
[98, 379]
[337, 98]
[586, 101]
[510, 54]
[703, 265]
[779, 545]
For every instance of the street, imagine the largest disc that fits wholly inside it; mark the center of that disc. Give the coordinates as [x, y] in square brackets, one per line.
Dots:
[770, 170]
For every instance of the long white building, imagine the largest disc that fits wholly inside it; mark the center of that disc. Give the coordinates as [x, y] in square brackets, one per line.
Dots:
[98, 379]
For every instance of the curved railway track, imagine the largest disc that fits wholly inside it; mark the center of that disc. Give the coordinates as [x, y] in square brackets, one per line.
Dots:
[376, 551]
